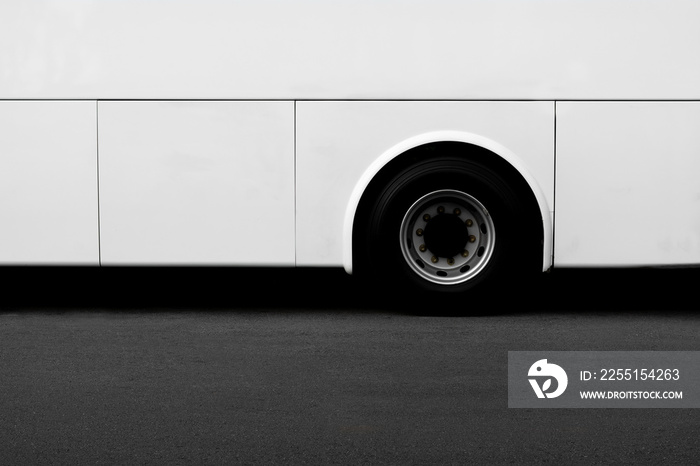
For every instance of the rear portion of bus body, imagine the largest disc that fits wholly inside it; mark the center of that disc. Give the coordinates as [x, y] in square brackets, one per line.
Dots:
[440, 142]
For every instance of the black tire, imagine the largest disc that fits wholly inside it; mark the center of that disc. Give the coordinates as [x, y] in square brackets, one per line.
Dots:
[490, 213]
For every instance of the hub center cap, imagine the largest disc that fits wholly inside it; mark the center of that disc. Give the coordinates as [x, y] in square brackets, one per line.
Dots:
[446, 235]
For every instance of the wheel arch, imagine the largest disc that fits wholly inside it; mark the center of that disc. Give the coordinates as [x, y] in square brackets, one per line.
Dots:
[399, 155]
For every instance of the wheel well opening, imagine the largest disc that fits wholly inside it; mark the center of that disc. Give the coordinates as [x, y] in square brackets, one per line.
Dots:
[435, 150]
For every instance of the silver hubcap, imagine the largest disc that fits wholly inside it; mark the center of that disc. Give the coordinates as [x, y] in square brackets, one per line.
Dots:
[447, 237]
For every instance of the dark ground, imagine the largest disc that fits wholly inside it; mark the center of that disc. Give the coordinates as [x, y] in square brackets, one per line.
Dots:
[214, 366]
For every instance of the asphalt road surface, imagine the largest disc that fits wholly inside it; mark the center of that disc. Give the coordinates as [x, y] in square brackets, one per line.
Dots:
[214, 366]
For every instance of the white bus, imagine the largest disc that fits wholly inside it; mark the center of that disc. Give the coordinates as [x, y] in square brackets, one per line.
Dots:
[442, 144]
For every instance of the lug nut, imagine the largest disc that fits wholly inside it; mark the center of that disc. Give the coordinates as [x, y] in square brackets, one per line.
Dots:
[457, 212]
[422, 248]
[434, 259]
[426, 217]
[465, 253]
[469, 222]
[472, 238]
[450, 261]
[419, 232]
[441, 210]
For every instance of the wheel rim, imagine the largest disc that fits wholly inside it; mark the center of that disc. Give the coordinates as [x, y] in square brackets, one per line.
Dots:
[447, 237]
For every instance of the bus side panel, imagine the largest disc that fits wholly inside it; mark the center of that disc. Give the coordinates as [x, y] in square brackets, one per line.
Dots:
[337, 141]
[627, 184]
[48, 183]
[360, 49]
[196, 183]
